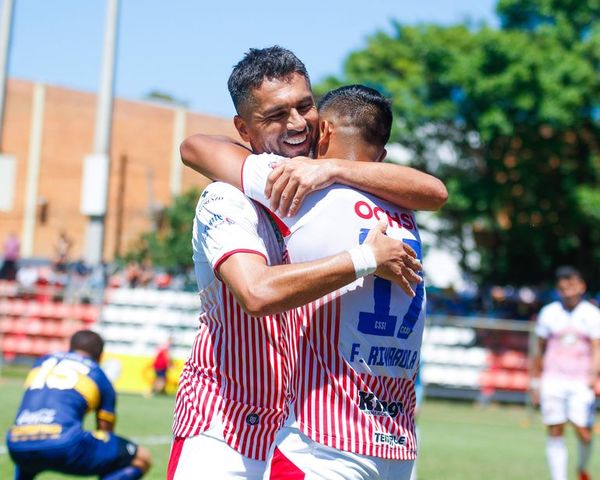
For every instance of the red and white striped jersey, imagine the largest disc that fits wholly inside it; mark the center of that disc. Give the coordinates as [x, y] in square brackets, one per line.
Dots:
[357, 350]
[237, 368]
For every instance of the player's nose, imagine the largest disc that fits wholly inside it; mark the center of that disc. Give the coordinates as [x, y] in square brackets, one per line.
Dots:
[296, 122]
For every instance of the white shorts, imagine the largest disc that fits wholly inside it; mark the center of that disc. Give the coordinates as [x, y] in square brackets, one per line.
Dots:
[208, 456]
[294, 456]
[563, 401]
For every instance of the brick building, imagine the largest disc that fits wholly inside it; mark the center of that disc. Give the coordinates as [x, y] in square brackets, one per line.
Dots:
[50, 130]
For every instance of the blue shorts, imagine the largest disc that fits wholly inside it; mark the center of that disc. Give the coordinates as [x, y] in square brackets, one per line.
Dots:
[87, 453]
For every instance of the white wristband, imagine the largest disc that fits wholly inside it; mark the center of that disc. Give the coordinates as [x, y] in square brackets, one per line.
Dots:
[364, 260]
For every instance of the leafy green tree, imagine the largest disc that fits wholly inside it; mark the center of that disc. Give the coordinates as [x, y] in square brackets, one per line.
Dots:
[517, 111]
[170, 245]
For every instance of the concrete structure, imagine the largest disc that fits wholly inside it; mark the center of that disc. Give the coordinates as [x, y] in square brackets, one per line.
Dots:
[50, 130]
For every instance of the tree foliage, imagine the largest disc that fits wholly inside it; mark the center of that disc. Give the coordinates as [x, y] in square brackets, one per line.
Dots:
[170, 245]
[517, 111]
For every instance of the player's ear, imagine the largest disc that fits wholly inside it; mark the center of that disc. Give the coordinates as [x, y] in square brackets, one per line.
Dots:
[382, 155]
[242, 128]
[325, 131]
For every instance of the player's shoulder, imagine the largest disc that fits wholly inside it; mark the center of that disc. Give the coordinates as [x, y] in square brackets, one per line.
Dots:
[219, 195]
[589, 308]
[99, 377]
[552, 306]
[549, 311]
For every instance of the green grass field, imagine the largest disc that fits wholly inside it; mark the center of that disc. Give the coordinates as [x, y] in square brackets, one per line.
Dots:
[459, 441]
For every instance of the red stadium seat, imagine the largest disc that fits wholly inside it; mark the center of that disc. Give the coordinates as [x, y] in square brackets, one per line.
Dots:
[9, 344]
[34, 326]
[16, 308]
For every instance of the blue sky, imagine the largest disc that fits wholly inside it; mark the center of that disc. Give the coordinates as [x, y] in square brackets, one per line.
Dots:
[186, 48]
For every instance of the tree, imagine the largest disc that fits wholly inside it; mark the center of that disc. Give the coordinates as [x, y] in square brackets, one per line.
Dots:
[170, 246]
[519, 109]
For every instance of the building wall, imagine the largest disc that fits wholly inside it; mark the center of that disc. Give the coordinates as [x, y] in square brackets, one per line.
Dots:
[145, 136]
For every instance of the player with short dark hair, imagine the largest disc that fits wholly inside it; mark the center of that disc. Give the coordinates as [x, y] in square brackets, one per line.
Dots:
[357, 350]
[48, 431]
[257, 65]
[361, 113]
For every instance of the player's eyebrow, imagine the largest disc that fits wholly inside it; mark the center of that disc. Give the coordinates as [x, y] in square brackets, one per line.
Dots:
[273, 110]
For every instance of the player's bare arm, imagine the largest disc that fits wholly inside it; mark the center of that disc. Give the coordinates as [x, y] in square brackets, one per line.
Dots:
[216, 157]
[263, 290]
[221, 158]
[406, 187]
[536, 372]
[595, 373]
[105, 425]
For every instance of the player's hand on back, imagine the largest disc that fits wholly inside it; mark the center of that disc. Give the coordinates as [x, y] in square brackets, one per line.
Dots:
[396, 261]
[293, 179]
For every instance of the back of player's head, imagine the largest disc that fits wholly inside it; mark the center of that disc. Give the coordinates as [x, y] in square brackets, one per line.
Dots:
[362, 108]
[259, 64]
[88, 342]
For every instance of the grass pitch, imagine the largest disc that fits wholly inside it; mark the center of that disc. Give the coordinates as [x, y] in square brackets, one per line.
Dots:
[459, 441]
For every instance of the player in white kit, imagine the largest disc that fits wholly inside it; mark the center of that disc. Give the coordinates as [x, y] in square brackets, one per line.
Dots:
[357, 351]
[231, 397]
[568, 361]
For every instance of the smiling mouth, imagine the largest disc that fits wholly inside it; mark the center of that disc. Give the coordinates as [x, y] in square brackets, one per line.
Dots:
[296, 139]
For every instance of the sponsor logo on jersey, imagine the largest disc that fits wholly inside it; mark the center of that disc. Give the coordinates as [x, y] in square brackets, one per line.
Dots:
[389, 439]
[394, 219]
[371, 405]
[207, 198]
[252, 419]
[216, 220]
[131, 449]
[28, 417]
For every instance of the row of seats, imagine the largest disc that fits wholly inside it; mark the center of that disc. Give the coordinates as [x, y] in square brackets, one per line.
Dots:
[8, 288]
[456, 357]
[150, 334]
[149, 316]
[503, 340]
[510, 359]
[152, 298]
[504, 380]
[463, 377]
[31, 308]
[147, 350]
[451, 376]
[472, 357]
[13, 345]
[449, 335]
[37, 326]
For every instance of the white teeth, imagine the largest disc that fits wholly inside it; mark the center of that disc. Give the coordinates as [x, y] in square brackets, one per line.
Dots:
[296, 140]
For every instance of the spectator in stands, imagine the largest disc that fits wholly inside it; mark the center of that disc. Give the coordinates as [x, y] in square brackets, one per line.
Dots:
[568, 360]
[62, 250]
[161, 365]
[12, 247]
[27, 276]
[48, 431]
[133, 273]
[146, 273]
